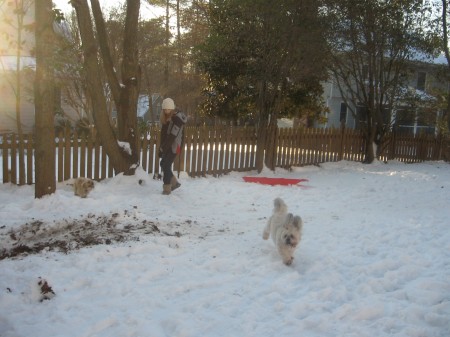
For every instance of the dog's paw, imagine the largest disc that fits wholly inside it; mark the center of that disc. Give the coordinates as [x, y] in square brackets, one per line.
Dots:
[289, 261]
[265, 235]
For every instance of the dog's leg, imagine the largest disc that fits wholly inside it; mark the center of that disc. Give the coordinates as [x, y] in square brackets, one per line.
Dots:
[289, 261]
[75, 189]
[286, 255]
[266, 232]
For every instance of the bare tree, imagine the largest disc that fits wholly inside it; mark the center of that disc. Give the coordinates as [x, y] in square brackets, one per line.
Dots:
[372, 43]
[68, 63]
[167, 36]
[124, 91]
[152, 37]
[173, 70]
[445, 39]
[44, 101]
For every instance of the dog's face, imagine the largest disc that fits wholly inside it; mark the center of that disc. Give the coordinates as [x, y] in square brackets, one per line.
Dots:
[82, 186]
[292, 231]
[88, 185]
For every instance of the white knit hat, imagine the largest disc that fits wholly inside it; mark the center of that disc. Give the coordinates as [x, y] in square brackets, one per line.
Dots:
[168, 103]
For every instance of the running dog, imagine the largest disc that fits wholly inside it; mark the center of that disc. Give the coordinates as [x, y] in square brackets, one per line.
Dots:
[285, 229]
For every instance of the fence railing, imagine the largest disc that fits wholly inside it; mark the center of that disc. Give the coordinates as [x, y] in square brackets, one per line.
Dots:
[215, 151]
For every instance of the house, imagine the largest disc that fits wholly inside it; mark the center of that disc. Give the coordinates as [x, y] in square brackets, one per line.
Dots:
[424, 80]
[70, 102]
[13, 63]
[145, 113]
[8, 120]
[9, 62]
[149, 114]
[70, 106]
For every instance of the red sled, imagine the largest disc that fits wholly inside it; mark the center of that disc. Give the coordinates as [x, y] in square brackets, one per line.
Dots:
[273, 181]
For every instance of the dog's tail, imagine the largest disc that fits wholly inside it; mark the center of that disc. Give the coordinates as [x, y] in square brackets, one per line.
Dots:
[279, 205]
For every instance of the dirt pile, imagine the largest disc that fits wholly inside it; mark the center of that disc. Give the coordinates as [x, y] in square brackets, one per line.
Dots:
[70, 234]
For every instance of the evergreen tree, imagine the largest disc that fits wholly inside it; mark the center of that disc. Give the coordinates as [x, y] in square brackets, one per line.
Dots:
[260, 56]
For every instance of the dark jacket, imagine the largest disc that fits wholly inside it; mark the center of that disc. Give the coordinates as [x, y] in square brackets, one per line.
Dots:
[172, 133]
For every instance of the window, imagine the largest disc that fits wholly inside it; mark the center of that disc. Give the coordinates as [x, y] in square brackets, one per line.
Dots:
[361, 116]
[421, 79]
[405, 117]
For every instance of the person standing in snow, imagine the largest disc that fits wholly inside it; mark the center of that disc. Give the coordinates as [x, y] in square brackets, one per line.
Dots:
[172, 130]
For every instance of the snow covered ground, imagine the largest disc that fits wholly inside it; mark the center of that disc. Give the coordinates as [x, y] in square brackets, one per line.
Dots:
[374, 259]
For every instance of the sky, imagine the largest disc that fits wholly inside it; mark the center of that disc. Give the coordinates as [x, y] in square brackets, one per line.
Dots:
[374, 259]
[147, 11]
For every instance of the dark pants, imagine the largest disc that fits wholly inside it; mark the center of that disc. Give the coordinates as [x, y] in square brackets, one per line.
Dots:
[166, 166]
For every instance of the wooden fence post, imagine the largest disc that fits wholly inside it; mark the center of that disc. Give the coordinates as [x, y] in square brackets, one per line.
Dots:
[67, 154]
[89, 147]
[440, 143]
[30, 159]
[96, 158]
[341, 146]
[391, 145]
[5, 156]
[21, 152]
[217, 151]
[273, 139]
[60, 148]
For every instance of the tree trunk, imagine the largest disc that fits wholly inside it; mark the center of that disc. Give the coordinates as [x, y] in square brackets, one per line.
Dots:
[267, 129]
[166, 61]
[263, 118]
[19, 70]
[271, 146]
[370, 154]
[120, 159]
[179, 48]
[104, 48]
[20, 13]
[448, 111]
[44, 155]
[260, 146]
[446, 52]
[131, 78]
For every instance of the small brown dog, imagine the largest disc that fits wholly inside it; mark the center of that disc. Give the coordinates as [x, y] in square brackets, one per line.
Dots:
[82, 186]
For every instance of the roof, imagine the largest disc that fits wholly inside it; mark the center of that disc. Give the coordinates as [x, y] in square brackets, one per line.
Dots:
[438, 60]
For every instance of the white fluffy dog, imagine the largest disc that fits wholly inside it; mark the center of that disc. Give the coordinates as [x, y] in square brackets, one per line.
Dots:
[82, 186]
[285, 229]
